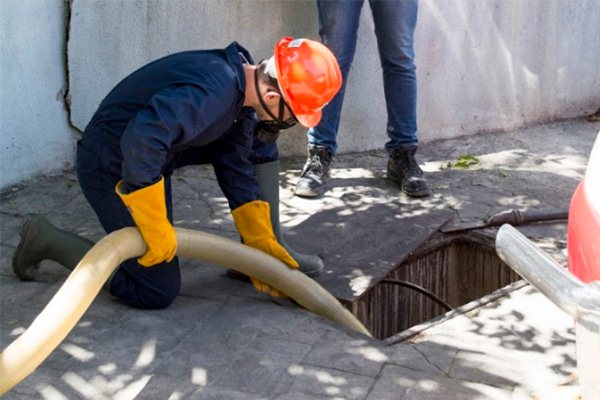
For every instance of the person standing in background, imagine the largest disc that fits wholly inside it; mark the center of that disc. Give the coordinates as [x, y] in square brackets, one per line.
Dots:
[395, 22]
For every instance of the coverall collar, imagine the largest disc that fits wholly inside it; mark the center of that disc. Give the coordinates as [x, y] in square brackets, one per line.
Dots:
[235, 55]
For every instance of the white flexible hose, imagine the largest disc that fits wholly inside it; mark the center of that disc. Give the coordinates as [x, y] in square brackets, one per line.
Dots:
[74, 297]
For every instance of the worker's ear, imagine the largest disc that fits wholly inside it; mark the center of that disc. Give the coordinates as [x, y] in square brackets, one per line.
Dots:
[271, 97]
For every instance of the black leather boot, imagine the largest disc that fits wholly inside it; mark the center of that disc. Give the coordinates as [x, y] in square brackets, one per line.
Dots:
[315, 172]
[404, 170]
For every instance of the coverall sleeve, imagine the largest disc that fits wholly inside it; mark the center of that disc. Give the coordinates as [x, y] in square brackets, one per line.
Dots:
[233, 169]
[172, 118]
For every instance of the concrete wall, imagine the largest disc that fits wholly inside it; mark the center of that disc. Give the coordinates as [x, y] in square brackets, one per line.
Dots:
[109, 39]
[490, 65]
[35, 135]
[482, 65]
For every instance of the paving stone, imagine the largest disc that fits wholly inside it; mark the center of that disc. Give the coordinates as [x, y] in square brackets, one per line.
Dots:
[264, 360]
[425, 357]
[220, 393]
[223, 340]
[192, 214]
[6, 254]
[328, 383]
[360, 357]
[159, 386]
[193, 184]
[39, 196]
[399, 383]
[10, 225]
[205, 281]
[495, 336]
[205, 355]
[300, 396]
[41, 387]
[73, 214]
[263, 316]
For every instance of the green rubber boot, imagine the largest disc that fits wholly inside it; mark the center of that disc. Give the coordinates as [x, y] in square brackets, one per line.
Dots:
[40, 240]
[268, 181]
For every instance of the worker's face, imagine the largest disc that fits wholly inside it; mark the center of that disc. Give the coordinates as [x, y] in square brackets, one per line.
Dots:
[274, 114]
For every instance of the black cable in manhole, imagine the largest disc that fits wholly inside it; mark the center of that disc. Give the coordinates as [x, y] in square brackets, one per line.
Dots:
[420, 290]
[446, 273]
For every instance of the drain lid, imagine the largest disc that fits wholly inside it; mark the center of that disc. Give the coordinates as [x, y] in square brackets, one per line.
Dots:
[360, 249]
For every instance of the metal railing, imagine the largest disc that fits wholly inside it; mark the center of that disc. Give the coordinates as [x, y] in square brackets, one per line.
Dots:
[581, 301]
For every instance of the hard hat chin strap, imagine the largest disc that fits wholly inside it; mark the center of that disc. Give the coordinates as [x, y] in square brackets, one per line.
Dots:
[281, 110]
[268, 131]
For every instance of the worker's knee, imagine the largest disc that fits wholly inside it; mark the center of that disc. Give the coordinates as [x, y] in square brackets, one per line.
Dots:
[156, 300]
[147, 287]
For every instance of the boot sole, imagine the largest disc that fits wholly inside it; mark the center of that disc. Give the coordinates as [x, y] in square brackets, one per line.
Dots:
[417, 194]
[397, 181]
[308, 192]
[28, 273]
[313, 273]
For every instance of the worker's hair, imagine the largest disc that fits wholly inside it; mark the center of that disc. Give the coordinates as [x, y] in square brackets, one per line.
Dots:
[265, 77]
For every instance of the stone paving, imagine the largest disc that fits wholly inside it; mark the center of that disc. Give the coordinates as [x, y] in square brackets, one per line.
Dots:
[222, 340]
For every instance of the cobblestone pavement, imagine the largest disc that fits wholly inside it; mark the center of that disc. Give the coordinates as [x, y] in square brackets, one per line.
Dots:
[222, 340]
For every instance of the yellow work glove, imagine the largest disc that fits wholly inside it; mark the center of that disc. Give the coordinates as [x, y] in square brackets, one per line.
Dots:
[253, 222]
[149, 211]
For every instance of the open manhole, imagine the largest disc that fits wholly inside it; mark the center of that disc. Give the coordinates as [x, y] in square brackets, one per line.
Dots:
[445, 272]
[387, 250]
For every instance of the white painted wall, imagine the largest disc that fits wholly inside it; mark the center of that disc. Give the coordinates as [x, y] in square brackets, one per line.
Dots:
[35, 135]
[109, 39]
[483, 65]
[502, 64]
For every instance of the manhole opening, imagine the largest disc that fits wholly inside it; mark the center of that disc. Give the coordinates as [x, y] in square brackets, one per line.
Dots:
[456, 271]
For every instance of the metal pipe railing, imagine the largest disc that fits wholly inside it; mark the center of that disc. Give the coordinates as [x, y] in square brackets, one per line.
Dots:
[581, 301]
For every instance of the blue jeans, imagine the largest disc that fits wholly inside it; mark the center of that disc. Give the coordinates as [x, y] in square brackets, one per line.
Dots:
[395, 22]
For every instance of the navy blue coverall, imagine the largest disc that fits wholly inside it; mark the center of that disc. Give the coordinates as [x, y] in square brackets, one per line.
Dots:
[186, 108]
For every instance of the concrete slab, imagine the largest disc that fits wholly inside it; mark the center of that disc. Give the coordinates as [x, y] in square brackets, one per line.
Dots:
[365, 255]
[223, 340]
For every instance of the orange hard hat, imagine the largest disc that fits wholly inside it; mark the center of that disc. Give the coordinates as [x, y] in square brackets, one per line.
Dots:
[308, 75]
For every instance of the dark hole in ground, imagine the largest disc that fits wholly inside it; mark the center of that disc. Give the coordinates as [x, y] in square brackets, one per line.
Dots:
[457, 270]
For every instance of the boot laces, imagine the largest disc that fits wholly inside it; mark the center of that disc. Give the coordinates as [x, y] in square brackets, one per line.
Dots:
[412, 166]
[316, 165]
[408, 163]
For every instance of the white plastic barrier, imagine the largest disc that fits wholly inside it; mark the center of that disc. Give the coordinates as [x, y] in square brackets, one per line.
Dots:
[566, 291]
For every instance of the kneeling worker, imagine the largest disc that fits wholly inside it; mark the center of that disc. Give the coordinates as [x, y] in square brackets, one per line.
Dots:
[193, 107]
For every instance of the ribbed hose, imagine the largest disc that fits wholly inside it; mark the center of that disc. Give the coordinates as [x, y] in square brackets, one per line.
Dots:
[69, 304]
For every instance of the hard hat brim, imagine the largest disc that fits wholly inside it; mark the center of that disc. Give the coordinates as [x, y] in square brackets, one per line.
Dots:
[309, 120]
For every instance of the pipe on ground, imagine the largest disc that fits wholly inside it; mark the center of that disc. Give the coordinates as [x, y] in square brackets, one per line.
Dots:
[69, 304]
